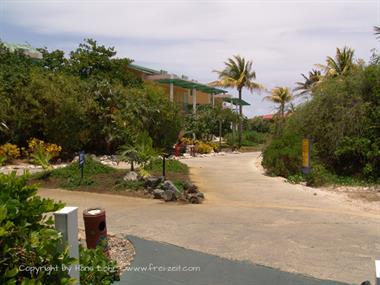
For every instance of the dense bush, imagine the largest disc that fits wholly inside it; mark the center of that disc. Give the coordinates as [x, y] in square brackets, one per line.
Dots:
[28, 240]
[87, 101]
[260, 125]
[210, 121]
[96, 267]
[343, 121]
[282, 156]
[249, 138]
[27, 235]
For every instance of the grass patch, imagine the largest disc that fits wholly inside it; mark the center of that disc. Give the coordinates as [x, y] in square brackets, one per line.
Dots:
[122, 185]
[100, 178]
[69, 177]
[171, 166]
[321, 177]
[91, 167]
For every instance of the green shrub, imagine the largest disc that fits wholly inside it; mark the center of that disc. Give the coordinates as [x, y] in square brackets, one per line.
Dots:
[260, 125]
[342, 118]
[40, 157]
[318, 176]
[97, 267]
[28, 239]
[27, 236]
[203, 148]
[76, 181]
[282, 156]
[249, 138]
[296, 178]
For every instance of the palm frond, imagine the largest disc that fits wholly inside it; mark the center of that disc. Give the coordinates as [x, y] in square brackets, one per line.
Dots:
[377, 32]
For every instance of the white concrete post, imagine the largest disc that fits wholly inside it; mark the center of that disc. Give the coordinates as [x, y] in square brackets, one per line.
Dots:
[171, 95]
[377, 265]
[194, 100]
[66, 222]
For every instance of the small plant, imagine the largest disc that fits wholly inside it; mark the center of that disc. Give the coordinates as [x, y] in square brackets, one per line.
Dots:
[97, 267]
[318, 176]
[141, 151]
[41, 157]
[143, 173]
[3, 159]
[42, 153]
[203, 148]
[296, 178]
[8, 152]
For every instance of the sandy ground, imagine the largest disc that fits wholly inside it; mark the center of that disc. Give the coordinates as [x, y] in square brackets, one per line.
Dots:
[249, 216]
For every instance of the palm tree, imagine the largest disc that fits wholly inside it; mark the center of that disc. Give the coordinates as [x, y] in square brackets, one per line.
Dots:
[238, 73]
[281, 96]
[306, 87]
[140, 151]
[377, 32]
[341, 64]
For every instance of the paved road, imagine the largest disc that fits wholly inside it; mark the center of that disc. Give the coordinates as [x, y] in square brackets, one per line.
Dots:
[249, 216]
[164, 264]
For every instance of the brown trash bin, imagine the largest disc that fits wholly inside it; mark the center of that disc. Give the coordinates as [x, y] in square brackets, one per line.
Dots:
[95, 227]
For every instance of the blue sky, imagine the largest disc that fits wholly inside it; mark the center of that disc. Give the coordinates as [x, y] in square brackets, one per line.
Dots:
[283, 38]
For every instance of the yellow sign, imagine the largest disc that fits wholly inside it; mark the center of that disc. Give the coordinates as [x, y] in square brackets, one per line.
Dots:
[305, 153]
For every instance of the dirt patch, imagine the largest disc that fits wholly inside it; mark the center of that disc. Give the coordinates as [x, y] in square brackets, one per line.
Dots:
[366, 194]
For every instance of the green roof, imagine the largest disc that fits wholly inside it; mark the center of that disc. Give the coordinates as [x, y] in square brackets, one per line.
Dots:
[236, 101]
[192, 85]
[144, 69]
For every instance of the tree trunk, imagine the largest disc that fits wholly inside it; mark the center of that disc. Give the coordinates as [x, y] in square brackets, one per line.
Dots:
[240, 119]
[220, 134]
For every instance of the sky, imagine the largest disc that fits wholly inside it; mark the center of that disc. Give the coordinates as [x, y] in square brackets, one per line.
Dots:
[193, 38]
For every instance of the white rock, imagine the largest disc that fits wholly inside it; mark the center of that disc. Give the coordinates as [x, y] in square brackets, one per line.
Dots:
[131, 176]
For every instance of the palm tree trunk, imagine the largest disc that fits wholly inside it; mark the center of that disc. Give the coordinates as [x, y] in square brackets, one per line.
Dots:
[240, 119]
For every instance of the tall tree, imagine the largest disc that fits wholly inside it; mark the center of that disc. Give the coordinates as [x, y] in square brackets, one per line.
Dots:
[238, 73]
[341, 64]
[310, 82]
[281, 96]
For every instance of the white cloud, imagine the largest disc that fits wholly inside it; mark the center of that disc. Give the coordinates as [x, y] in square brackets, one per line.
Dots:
[283, 38]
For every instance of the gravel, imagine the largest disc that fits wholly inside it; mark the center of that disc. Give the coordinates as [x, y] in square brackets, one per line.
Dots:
[119, 249]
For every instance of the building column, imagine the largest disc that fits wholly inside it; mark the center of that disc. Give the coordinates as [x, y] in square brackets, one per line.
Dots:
[194, 100]
[171, 89]
[171, 96]
[213, 100]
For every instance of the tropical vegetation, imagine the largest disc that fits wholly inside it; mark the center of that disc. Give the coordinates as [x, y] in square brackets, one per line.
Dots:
[88, 100]
[29, 240]
[342, 121]
[238, 73]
